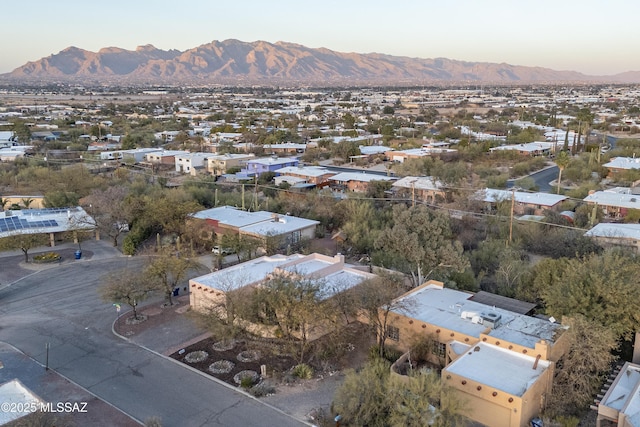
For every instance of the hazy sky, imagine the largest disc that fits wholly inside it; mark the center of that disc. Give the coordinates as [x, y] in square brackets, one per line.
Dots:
[593, 37]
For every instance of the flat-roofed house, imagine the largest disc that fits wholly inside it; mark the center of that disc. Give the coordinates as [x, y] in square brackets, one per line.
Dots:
[619, 165]
[621, 403]
[524, 203]
[261, 225]
[316, 175]
[269, 164]
[331, 273]
[614, 234]
[422, 188]
[356, 181]
[164, 157]
[499, 361]
[189, 163]
[615, 202]
[219, 164]
[539, 148]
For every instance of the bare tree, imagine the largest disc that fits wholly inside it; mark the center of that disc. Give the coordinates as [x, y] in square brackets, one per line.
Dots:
[129, 287]
[377, 298]
[108, 212]
[168, 269]
[24, 242]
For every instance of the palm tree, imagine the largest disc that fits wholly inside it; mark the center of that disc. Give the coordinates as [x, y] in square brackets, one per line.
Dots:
[27, 202]
[562, 160]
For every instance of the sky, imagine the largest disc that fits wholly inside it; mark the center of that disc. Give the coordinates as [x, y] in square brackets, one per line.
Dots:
[593, 37]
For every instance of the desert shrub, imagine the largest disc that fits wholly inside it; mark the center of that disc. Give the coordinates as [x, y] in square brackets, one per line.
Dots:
[262, 389]
[303, 371]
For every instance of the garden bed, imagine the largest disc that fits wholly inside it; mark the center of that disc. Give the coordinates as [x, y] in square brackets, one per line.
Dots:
[244, 356]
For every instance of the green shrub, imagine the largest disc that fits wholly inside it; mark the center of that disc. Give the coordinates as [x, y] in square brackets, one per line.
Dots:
[303, 371]
[246, 382]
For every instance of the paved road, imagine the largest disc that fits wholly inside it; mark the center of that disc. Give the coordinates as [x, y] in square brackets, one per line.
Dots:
[61, 306]
[542, 179]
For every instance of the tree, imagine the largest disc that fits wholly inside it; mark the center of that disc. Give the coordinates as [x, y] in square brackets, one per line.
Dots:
[24, 242]
[349, 121]
[370, 408]
[26, 202]
[598, 287]
[129, 287]
[362, 224]
[294, 302]
[372, 397]
[562, 160]
[107, 208]
[378, 298]
[419, 243]
[168, 269]
[580, 373]
[3, 202]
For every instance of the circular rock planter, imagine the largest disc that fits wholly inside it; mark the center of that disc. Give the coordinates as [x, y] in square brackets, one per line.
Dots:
[221, 367]
[249, 356]
[224, 345]
[196, 356]
[246, 377]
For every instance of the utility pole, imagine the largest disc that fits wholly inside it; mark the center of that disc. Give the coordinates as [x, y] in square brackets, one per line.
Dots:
[242, 196]
[413, 194]
[255, 193]
[215, 197]
[513, 203]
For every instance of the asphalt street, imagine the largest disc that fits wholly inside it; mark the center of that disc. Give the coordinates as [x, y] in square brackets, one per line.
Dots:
[61, 306]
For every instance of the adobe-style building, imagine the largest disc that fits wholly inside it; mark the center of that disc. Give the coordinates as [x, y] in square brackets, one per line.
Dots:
[333, 275]
[620, 405]
[500, 362]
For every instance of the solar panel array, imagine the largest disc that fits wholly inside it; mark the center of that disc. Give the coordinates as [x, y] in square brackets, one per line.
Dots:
[14, 223]
[45, 211]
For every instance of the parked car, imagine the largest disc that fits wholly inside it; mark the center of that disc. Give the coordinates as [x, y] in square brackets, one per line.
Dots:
[217, 250]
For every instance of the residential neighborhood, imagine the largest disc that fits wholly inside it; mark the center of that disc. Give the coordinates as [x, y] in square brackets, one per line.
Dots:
[472, 252]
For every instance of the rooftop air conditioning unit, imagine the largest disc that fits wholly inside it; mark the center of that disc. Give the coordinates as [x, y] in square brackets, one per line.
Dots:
[492, 320]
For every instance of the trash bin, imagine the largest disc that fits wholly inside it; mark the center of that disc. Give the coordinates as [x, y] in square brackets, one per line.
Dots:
[78, 254]
[536, 422]
[176, 292]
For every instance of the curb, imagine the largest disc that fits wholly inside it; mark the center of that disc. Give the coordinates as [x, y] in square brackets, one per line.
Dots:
[197, 371]
[74, 383]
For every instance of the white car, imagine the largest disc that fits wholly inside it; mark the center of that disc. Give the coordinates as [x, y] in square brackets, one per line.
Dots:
[217, 250]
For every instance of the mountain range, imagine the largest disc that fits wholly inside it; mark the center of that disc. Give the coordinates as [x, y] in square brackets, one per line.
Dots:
[260, 62]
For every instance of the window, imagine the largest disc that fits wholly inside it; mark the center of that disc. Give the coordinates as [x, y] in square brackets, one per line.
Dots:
[438, 349]
[393, 333]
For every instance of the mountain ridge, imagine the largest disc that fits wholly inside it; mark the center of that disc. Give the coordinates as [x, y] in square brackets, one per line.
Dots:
[234, 61]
